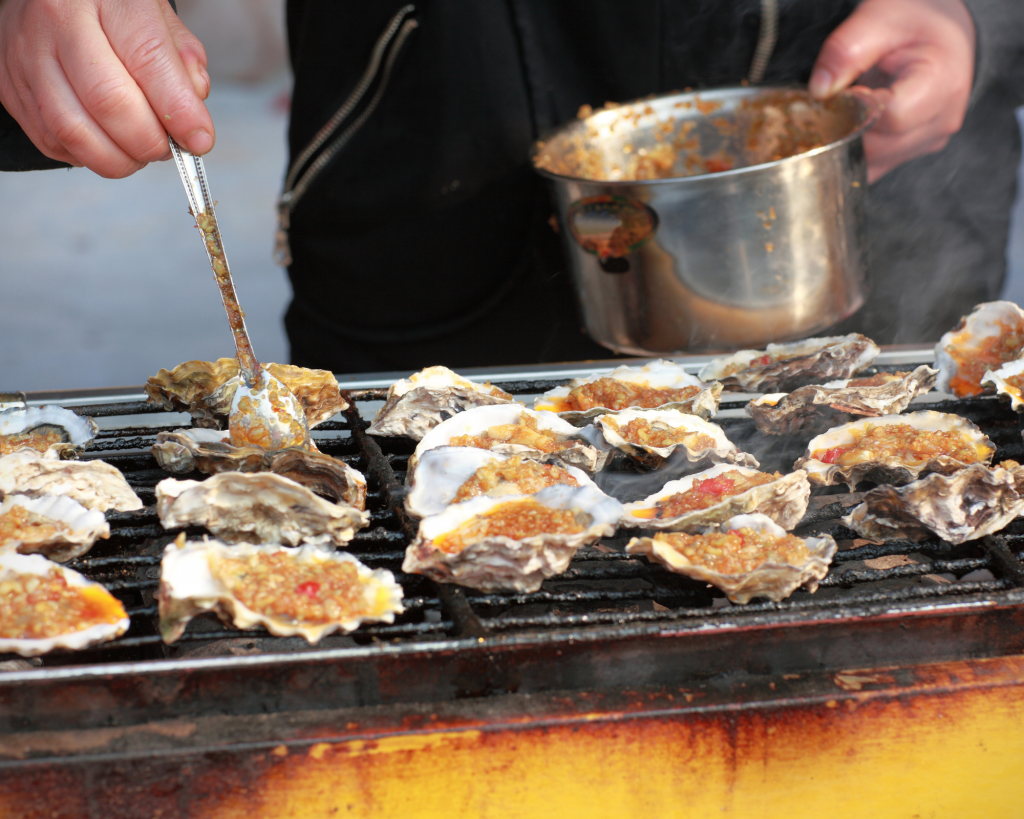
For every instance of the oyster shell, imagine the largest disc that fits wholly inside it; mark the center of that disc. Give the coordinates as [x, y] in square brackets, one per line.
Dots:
[260, 506]
[94, 484]
[1008, 380]
[967, 505]
[538, 435]
[817, 408]
[52, 525]
[205, 389]
[783, 500]
[993, 333]
[704, 442]
[441, 472]
[45, 430]
[892, 468]
[784, 367]
[417, 404]
[583, 399]
[210, 452]
[27, 631]
[494, 561]
[775, 580]
[286, 594]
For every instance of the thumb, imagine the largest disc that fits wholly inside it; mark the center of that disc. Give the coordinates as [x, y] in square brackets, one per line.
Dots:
[853, 48]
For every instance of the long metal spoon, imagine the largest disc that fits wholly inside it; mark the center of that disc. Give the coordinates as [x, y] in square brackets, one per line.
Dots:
[264, 412]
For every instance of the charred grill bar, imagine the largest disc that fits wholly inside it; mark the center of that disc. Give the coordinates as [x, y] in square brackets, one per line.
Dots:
[614, 641]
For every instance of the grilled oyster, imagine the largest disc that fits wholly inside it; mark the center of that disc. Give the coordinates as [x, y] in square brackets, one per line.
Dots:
[513, 542]
[417, 404]
[758, 560]
[304, 591]
[94, 484]
[48, 606]
[452, 474]
[895, 449]
[719, 493]
[267, 508]
[512, 429]
[660, 384]
[992, 334]
[210, 452]
[967, 505]
[651, 436]
[817, 408]
[45, 430]
[52, 525]
[205, 389]
[1007, 380]
[784, 367]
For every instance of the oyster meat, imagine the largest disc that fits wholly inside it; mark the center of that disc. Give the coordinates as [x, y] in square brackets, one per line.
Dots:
[48, 606]
[784, 367]
[45, 430]
[660, 384]
[651, 436]
[976, 501]
[94, 484]
[205, 390]
[452, 474]
[992, 334]
[417, 404]
[52, 525]
[307, 591]
[512, 542]
[210, 451]
[895, 449]
[689, 504]
[817, 408]
[1008, 380]
[260, 506]
[746, 556]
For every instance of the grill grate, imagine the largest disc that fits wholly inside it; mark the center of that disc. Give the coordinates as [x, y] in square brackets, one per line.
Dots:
[603, 586]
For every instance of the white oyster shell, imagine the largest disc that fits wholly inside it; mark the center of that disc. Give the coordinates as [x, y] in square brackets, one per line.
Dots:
[417, 404]
[794, 365]
[498, 563]
[976, 501]
[190, 584]
[75, 430]
[14, 565]
[85, 526]
[887, 470]
[816, 408]
[784, 501]
[776, 581]
[660, 374]
[998, 380]
[724, 450]
[441, 472]
[260, 506]
[94, 484]
[987, 320]
[585, 451]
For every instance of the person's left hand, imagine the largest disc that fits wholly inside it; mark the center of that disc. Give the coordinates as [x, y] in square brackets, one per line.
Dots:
[926, 49]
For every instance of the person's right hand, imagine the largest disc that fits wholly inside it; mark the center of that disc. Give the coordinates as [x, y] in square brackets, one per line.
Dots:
[100, 83]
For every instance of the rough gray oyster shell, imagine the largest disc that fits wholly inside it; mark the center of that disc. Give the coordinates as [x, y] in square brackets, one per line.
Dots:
[1000, 380]
[77, 528]
[94, 484]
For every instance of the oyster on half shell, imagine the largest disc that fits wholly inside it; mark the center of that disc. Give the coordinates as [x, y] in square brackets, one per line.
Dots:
[306, 591]
[46, 430]
[766, 574]
[992, 334]
[55, 526]
[1008, 380]
[894, 449]
[94, 484]
[976, 501]
[260, 506]
[816, 408]
[661, 384]
[417, 404]
[784, 367]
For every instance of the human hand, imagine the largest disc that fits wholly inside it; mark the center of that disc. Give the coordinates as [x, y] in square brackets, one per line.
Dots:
[101, 83]
[926, 50]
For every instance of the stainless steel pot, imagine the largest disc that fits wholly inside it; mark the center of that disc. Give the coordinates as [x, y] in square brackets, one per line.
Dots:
[743, 245]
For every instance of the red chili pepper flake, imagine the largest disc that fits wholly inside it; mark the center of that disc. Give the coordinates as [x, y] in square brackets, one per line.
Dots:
[715, 486]
[763, 361]
[834, 454]
[310, 588]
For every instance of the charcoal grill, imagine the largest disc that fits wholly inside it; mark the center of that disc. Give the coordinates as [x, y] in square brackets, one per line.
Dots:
[619, 685]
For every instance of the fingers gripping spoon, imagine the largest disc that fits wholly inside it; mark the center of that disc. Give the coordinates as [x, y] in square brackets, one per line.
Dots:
[263, 412]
